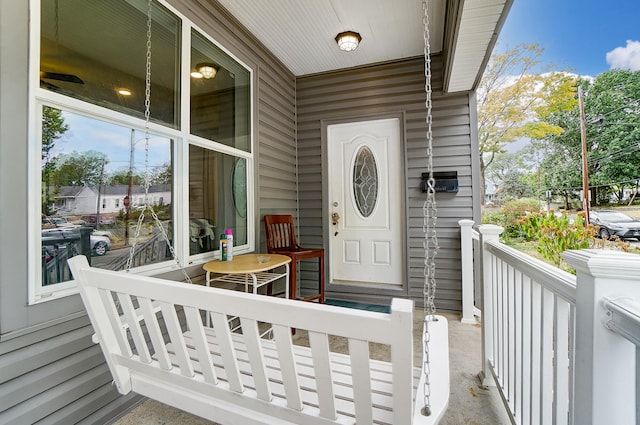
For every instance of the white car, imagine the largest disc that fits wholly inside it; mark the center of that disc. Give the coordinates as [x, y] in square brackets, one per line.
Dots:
[99, 244]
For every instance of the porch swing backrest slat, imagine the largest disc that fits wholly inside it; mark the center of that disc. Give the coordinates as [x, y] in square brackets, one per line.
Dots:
[238, 377]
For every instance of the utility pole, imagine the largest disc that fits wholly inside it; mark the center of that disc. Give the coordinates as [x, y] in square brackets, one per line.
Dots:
[585, 171]
[127, 200]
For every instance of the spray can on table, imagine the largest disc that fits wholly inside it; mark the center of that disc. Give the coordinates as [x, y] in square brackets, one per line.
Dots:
[223, 247]
[229, 235]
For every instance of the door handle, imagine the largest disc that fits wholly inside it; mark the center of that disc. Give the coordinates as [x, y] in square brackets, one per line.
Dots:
[335, 218]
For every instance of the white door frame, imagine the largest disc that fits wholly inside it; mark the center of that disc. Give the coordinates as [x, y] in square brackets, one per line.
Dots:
[384, 291]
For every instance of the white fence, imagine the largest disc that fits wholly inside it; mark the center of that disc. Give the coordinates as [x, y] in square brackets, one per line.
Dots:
[560, 348]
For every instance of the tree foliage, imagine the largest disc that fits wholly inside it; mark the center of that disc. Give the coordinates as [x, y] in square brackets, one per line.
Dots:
[515, 98]
[53, 127]
[511, 173]
[122, 178]
[78, 169]
[612, 110]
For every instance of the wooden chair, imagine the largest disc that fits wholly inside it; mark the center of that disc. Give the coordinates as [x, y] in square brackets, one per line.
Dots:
[281, 239]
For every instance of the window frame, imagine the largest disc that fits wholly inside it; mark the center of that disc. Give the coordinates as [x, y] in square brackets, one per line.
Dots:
[182, 139]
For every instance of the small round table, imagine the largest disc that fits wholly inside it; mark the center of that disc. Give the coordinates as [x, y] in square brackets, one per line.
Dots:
[248, 270]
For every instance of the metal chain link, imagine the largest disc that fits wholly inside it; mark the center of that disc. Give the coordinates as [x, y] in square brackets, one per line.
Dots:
[429, 212]
[147, 204]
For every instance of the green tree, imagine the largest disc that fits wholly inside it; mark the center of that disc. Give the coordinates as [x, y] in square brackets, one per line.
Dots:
[612, 104]
[612, 110]
[515, 97]
[122, 178]
[78, 169]
[511, 173]
[53, 127]
[161, 175]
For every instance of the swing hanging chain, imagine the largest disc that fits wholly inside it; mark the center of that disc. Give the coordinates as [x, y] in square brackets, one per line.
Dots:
[147, 205]
[429, 212]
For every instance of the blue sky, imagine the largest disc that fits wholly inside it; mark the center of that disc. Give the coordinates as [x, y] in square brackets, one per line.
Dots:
[113, 140]
[577, 35]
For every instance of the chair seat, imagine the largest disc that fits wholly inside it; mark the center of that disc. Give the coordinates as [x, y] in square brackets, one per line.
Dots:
[281, 239]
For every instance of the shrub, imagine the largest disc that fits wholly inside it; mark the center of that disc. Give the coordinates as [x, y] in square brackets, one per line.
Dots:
[556, 233]
[510, 216]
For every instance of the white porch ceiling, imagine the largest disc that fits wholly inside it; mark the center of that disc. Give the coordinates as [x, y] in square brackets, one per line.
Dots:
[301, 33]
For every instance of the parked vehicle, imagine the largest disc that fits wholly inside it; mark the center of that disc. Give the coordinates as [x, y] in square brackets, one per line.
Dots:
[91, 220]
[100, 245]
[614, 223]
[56, 222]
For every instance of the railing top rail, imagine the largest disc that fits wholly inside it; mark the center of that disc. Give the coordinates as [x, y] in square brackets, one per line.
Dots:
[623, 318]
[552, 278]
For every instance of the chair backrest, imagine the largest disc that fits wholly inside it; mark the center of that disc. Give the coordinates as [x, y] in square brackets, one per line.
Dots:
[280, 232]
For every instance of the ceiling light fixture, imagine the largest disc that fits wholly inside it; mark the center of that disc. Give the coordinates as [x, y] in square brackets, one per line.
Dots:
[348, 41]
[205, 70]
[124, 91]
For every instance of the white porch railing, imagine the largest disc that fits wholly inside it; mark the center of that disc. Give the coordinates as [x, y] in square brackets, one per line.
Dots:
[469, 240]
[560, 348]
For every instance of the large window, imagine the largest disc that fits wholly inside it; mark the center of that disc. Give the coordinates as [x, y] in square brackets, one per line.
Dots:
[102, 164]
[95, 50]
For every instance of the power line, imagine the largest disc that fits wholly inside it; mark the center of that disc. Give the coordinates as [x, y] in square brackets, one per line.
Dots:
[619, 152]
[577, 188]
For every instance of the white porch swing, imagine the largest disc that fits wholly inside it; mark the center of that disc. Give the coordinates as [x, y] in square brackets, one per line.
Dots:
[241, 378]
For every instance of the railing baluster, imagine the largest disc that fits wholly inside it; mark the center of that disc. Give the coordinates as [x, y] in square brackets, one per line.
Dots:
[517, 346]
[511, 273]
[561, 362]
[546, 359]
[526, 329]
[536, 342]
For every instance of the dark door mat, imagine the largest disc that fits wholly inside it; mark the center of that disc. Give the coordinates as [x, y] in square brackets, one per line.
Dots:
[359, 306]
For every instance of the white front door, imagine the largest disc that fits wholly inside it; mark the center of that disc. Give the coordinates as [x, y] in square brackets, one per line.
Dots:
[366, 202]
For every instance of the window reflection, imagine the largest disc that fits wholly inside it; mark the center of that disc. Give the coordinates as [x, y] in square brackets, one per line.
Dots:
[219, 99]
[82, 55]
[93, 193]
[217, 199]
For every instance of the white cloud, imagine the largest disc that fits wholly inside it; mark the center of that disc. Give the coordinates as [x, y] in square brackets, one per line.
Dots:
[625, 57]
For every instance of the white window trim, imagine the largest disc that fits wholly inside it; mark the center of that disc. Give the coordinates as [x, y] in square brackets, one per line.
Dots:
[37, 293]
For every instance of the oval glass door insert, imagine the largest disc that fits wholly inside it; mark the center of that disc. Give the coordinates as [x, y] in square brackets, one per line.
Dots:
[365, 181]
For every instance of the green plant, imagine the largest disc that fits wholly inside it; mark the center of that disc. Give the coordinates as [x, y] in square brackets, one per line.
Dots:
[510, 216]
[556, 233]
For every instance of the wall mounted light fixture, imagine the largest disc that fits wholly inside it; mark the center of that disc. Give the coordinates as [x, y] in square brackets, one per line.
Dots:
[348, 40]
[205, 70]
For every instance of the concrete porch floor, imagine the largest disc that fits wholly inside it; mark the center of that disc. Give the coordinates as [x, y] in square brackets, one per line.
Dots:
[469, 402]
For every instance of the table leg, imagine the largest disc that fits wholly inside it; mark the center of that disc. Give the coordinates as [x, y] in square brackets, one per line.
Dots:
[208, 283]
[286, 281]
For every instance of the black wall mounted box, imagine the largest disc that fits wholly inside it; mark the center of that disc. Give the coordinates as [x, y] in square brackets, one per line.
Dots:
[445, 181]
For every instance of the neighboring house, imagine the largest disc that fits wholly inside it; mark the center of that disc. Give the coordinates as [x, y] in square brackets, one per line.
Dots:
[79, 200]
[72, 200]
[265, 136]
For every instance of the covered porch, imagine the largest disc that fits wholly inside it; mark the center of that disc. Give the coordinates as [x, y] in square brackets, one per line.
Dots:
[546, 347]
[45, 338]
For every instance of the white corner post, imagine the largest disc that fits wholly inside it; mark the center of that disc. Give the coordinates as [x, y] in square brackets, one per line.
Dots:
[605, 362]
[466, 256]
[488, 233]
